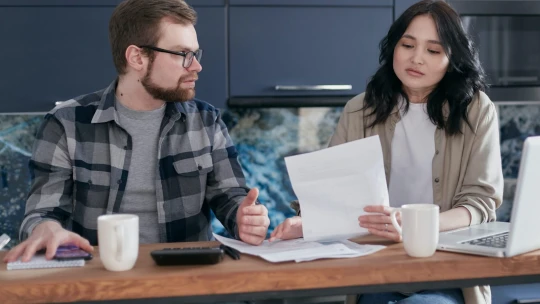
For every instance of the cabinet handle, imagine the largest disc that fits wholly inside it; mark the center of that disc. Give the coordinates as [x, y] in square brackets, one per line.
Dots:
[325, 87]
[528, 301]
[518, 79]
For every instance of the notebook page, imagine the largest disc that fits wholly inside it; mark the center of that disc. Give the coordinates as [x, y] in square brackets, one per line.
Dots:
[39, 262]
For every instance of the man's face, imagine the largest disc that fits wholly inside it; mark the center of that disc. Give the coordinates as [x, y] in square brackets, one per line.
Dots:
[166, 78]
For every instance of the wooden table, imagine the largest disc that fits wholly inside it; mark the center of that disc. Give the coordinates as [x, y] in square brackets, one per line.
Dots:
[252, 278]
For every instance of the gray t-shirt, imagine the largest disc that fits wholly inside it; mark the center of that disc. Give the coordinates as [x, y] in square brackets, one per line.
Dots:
[140, 193]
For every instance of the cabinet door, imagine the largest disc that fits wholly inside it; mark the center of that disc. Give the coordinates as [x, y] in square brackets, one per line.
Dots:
[53, 53]
[401, 6]
[290, 50]
[312, 2]
[56, 51]
[212, 84]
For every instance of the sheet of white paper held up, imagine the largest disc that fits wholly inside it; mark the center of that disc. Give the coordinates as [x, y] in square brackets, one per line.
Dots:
[333, 186]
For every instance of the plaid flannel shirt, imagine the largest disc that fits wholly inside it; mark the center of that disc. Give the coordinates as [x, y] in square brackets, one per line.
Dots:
[81, 161]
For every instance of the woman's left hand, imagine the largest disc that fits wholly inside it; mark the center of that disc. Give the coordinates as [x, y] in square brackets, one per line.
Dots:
[378, 222]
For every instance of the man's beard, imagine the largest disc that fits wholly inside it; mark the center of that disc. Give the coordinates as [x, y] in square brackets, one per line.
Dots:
[176, 94]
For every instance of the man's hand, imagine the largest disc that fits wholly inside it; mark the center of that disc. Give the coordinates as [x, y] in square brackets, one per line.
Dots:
[47, 235]
[252, 220]
[291, 228]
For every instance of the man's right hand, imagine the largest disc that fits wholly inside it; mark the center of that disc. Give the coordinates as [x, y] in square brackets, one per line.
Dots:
[49, 235]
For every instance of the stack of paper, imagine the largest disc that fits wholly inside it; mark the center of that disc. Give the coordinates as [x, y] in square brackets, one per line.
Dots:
[333, 186]
[299, 250]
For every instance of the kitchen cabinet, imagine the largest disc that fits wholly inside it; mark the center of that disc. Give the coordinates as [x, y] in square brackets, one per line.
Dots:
[304, 50]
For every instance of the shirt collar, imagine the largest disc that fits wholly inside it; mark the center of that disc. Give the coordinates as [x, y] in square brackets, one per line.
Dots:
[106, 110]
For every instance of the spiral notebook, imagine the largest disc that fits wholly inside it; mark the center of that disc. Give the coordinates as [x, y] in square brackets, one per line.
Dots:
[39, 262]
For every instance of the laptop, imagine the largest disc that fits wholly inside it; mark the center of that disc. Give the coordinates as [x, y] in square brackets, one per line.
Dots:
[501, 239]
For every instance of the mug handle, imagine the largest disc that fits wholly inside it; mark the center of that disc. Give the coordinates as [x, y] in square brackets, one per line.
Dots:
[394, 220]
[119, 231]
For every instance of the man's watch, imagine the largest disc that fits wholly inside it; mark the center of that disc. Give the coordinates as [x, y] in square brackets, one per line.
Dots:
[296, 207]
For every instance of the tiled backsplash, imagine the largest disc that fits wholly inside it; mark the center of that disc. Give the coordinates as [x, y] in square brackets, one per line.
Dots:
[517, 122]
[263, 138]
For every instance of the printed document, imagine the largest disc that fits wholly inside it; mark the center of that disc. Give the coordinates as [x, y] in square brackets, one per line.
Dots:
[300, 250]
[333, 186]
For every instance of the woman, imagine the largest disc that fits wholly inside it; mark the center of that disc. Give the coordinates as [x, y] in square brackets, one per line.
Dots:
[438, 130]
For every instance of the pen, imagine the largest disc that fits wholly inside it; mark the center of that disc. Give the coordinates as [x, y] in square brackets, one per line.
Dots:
[235, 255]
[236, 252]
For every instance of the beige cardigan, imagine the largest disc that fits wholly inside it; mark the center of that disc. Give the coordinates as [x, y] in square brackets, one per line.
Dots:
[467, 170]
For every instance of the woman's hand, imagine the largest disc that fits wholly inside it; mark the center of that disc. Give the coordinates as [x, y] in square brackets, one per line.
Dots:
[291, 228]
[378, 222]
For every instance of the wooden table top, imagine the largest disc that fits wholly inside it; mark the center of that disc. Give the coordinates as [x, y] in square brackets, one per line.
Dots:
[388, 267]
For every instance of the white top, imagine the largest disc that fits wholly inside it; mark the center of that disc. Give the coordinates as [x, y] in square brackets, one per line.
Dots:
[413, 148]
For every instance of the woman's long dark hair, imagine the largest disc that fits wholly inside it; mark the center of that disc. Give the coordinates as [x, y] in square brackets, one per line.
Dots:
[464, 79]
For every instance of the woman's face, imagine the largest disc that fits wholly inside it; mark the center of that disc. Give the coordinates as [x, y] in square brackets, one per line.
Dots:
[420, 61]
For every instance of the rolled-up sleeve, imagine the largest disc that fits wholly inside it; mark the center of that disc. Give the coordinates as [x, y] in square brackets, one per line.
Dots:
[226, 184]
[483, 183]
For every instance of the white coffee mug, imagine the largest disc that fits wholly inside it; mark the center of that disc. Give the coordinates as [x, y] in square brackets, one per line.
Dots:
[419, 228]
[118, 238]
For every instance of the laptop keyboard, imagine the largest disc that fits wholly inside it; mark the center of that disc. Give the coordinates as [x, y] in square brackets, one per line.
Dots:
[496, 241]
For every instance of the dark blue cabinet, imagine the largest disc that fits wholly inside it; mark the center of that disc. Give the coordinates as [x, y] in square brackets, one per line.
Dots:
[514, 294]
[56, 50]
[312, 2]
[52, 53]
[199, 3]
[211, 31]
[293, 50]
[401, 6]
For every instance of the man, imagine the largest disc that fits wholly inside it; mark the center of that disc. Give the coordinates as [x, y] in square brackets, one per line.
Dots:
[142, 146]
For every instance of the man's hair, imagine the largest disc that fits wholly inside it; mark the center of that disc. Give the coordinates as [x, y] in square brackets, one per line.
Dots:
[137, 22]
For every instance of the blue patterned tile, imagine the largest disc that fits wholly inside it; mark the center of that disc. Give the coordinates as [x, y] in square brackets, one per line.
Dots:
[263, 138]
[16, 139]
[505, 210]
[517, 122]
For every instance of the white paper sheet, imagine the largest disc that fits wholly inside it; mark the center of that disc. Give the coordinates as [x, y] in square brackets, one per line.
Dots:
[357, 250]
[330, 251]
[300, 250]
[333, 186]
[267, 247]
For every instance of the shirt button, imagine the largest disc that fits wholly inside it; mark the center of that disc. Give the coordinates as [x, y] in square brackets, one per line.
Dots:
[199, 167]
[437, 180]
[437, 152]
[119, 181]
[125, 147]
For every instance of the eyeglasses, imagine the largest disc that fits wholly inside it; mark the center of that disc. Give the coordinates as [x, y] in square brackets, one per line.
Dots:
[188, 56]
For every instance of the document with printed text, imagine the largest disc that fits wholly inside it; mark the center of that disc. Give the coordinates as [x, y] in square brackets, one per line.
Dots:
[333, 186]
[299, 250]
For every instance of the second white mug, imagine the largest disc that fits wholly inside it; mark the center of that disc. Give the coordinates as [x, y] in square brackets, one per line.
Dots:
[419, 228]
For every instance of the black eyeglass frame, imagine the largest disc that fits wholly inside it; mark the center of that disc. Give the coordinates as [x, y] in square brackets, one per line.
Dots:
[197, 54]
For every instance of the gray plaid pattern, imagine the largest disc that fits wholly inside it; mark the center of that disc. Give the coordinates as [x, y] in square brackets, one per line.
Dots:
[81, 161]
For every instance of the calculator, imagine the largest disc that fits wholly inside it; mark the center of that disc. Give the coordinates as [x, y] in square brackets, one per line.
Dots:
[188, 256]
